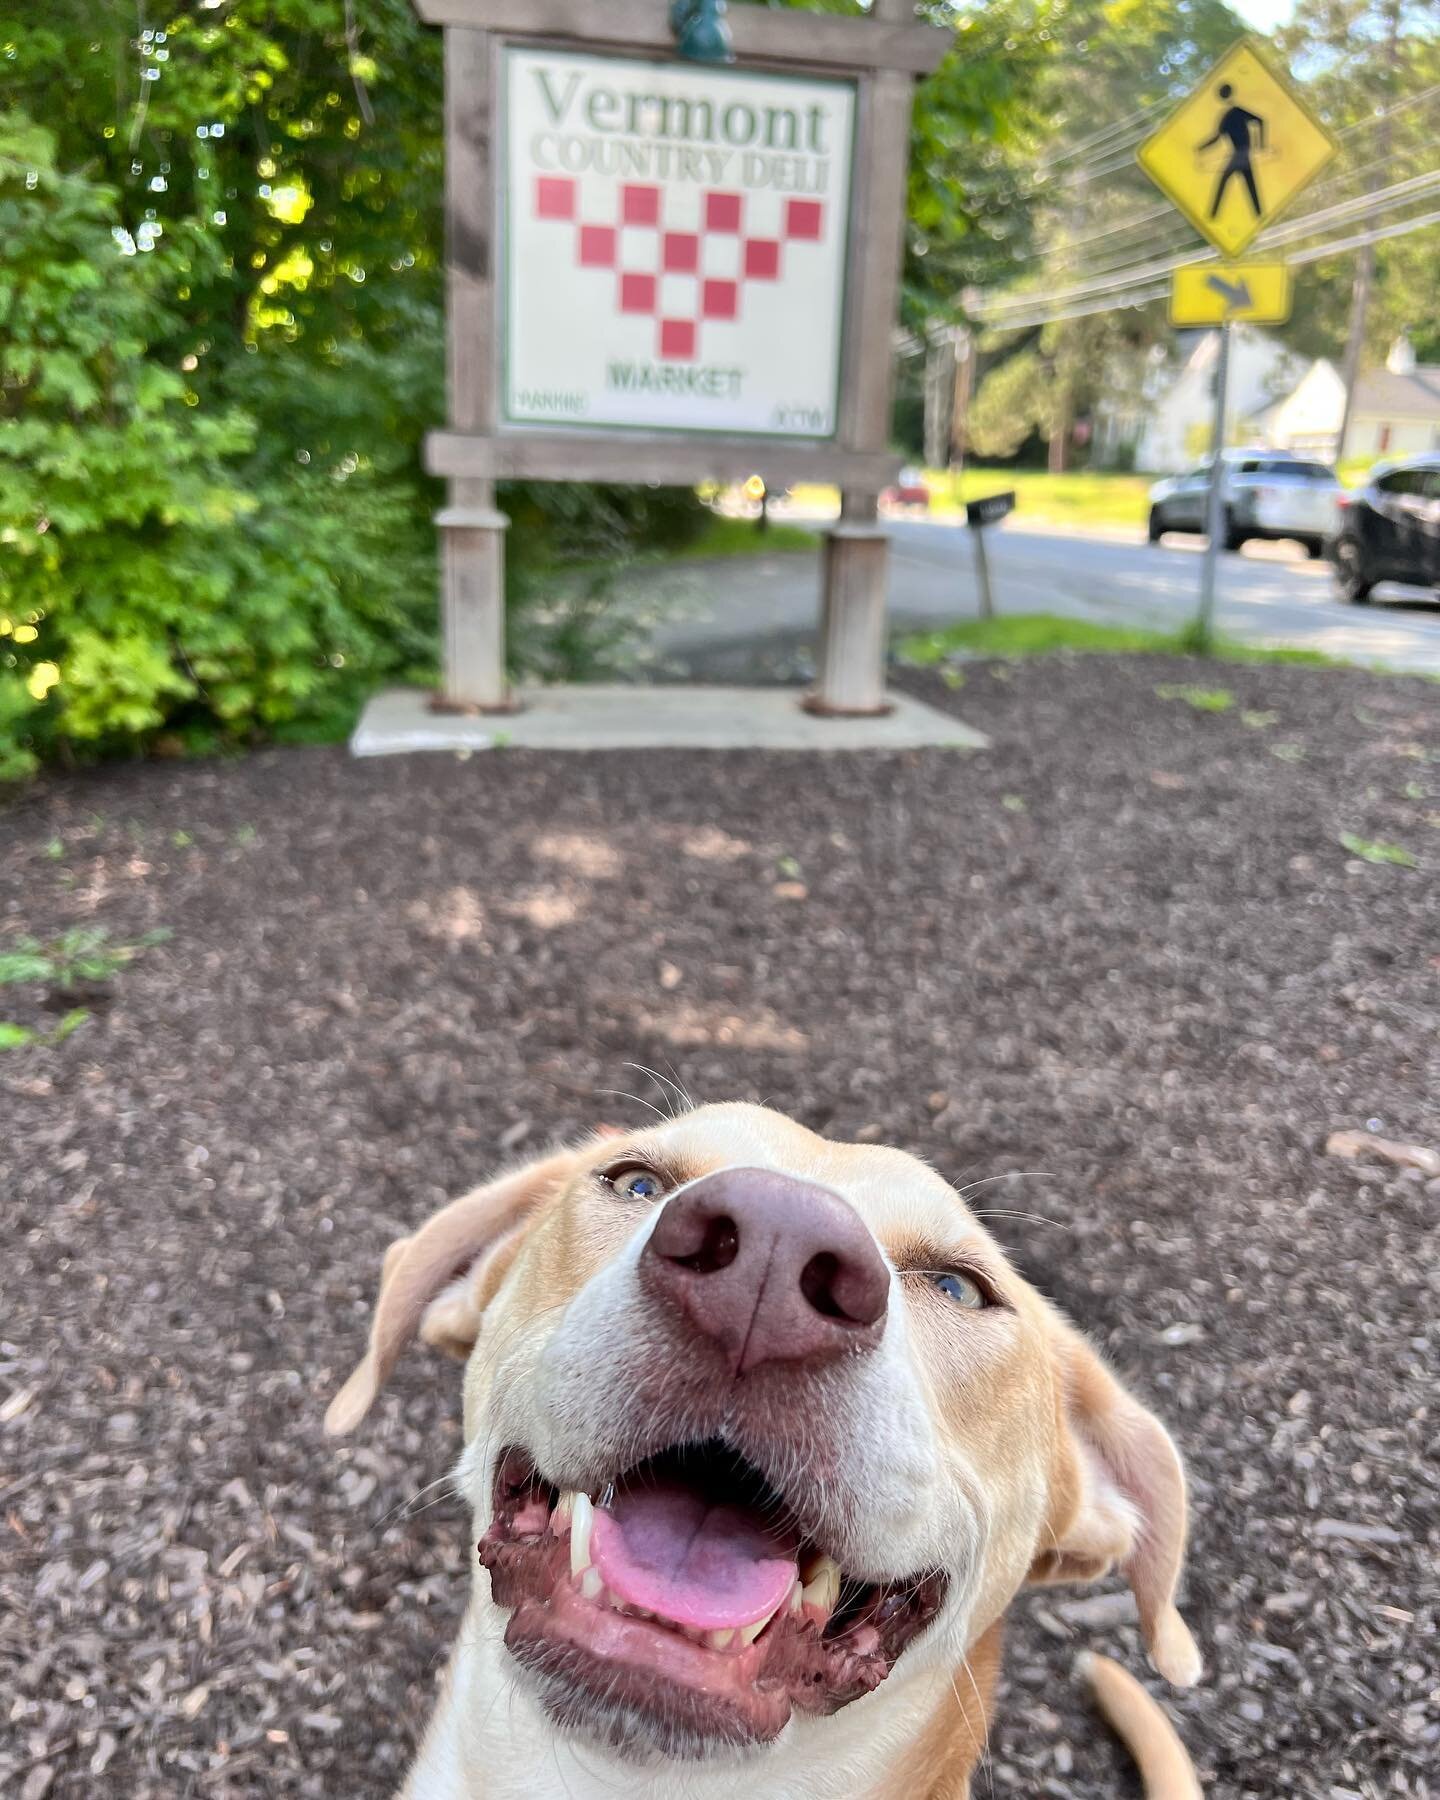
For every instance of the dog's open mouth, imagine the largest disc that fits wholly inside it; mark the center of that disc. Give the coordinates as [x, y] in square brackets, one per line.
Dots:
[680, 1610]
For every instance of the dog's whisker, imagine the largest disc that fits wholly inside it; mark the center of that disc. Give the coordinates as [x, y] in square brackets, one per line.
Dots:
[1005, 1213]
[973, 1187]
[664, 1083]
[986, 1760]
[679, 1086]
[621, 1094]
[409, 1507]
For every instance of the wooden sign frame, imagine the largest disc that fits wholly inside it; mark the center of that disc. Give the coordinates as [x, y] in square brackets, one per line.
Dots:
[883, 53]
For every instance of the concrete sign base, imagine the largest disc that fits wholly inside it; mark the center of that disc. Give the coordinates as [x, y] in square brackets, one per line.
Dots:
[646, 718]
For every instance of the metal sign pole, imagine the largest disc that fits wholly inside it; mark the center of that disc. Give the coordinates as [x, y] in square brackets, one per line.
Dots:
[1215, 497]
[982, 574]
[980, 514]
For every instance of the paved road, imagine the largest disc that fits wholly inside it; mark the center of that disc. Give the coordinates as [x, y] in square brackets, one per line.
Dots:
[1269, 594]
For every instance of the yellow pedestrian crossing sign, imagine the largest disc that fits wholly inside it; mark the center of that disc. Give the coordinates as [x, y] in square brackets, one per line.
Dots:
[1236, 152]
[1226, 293]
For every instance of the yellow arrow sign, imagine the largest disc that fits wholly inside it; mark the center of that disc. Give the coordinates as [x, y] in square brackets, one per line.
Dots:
[1236, 153]
[1220, 293]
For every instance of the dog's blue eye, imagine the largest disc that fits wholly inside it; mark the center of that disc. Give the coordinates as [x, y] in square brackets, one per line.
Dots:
[961, 1289]
[636, 1184]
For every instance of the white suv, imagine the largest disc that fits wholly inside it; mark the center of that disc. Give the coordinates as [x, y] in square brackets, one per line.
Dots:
[1265, 494]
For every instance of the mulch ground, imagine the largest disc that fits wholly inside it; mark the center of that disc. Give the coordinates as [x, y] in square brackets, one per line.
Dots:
[1125, 948]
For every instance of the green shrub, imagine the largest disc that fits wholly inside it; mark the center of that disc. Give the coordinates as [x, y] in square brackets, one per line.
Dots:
[157, 568]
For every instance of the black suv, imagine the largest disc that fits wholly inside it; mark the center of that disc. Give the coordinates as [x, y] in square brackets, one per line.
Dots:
[1390, 529]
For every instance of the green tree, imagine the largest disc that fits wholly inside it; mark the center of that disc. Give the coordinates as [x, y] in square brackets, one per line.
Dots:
[1091, 211]
[257, 185]
[1373, 68]
[143, 579]
[974, 125]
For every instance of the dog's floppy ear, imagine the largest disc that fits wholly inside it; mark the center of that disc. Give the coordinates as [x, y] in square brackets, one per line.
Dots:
[436, 1282]
[1119, 1500]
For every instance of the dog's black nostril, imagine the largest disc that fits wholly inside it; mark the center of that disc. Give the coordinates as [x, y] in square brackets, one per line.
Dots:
[817, 1284]
[718, 1249]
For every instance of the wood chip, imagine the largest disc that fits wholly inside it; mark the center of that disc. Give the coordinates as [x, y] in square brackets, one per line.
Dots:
[16, 1404]
[1353, 1145]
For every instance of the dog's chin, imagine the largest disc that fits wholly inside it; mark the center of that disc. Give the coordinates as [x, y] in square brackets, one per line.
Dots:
[636, 1620]
[639, 1716]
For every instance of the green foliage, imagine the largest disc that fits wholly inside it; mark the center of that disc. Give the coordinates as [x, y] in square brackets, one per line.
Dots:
[20, 1037]
[1016, 399]
[1072, 207]
[975, 122]
[221, 342]
[82, 954]
[79, 958]
[161, 565]
[1077, 497]
[573, 613]
[1199, 699]
[1368, 850]
[1026, 634]
[1360, 58]
[1045, 634]
[723, 537]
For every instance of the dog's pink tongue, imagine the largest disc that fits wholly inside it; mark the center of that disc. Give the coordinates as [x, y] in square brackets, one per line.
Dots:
[667, 1549]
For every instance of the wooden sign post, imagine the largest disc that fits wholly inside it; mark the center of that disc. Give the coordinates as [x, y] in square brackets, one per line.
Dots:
[666, 271]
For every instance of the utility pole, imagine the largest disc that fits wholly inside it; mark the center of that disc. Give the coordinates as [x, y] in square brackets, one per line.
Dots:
[964, 393]
[1365, 273]
[1214, 500]
[939, 389]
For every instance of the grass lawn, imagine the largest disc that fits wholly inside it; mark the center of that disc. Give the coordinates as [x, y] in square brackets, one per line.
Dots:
[724, 536]
[1043, 634]
[1083, 497]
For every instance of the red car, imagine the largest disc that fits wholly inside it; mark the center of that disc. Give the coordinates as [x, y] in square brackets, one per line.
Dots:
[909, 490]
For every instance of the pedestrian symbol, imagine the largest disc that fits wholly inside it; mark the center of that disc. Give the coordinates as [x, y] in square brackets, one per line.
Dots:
[1235, 126]
[1236, 152]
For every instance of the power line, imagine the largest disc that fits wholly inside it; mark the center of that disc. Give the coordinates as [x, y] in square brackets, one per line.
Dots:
[1174, 232]
[1064, 255]
[1123, 129]
[1076, 177]
[1096, 137]
[1396, 194]
[1145, 292]
[1163, 229]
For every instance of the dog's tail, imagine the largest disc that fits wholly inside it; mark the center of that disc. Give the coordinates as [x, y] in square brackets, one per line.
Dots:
[1164, 1764]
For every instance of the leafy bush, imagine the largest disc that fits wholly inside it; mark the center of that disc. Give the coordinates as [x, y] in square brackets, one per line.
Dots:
[157, 568]
[80, 960]
[573, 613]
[187, 566]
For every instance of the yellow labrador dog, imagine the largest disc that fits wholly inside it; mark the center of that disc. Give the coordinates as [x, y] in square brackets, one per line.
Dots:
[762, 1435]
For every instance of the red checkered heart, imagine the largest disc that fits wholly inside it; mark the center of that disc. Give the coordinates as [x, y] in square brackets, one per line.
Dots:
[676, 292]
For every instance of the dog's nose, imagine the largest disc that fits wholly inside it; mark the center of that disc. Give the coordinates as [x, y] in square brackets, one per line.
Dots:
[774, 1269]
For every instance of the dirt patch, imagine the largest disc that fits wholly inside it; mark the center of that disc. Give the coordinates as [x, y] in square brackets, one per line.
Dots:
[1125, 948]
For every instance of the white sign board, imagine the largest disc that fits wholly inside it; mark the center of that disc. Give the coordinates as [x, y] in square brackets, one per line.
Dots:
[674, 245]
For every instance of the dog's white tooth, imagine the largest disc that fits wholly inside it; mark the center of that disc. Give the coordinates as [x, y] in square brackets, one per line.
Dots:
[721, 1640]
[814, 1563]
[749, 1633]
[564, 1508]
[614, 1600]
[822, 1591]
[582, 1520]
[591, 1586]
[797, 1597]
